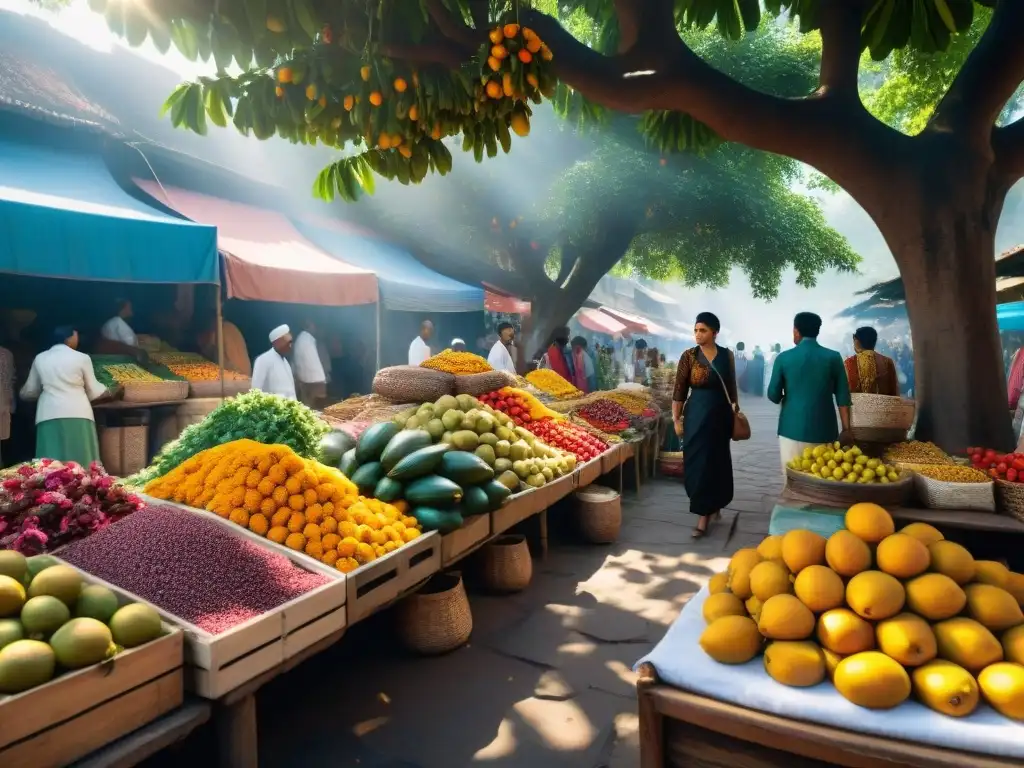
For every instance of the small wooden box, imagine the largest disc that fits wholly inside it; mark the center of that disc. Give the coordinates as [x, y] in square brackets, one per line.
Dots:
[588, 473]
[220, 663]
[79, 712]
[378, 584]
[519, 507]
[457, 544]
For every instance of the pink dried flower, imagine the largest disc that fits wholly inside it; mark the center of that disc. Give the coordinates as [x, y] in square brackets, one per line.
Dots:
[32, 541]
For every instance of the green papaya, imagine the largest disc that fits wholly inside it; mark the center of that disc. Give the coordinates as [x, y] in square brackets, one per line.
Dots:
[497, 493]
[388, 490]
[441, 520]
[349, 463]
[419, 463]
[401, 445]
[433, 491]
[475, 501]
[464, 468]
[334, 446]
[372, 442]
[367, 477]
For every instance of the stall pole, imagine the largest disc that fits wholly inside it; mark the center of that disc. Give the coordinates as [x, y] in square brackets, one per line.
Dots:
[220, 341]
[380, 311]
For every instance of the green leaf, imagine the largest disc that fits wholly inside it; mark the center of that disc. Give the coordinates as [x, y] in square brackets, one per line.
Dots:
[214, 104]
[176, 95]
[183, 35]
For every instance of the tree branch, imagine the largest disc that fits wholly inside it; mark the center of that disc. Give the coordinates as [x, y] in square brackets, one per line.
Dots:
[989, 77]
[453, 28]
[840, 46]
[647, 29]
[1008, 143]
[448, 53]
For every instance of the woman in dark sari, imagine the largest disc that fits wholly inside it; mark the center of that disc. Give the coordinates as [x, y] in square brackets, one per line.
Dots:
[699, 403]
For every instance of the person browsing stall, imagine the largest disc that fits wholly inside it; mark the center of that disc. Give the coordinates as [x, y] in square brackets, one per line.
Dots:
[63, 381]
[458, 345]
[117, 328]
[868, 371]
[271, 372]
[419, 350]
[500, 356]
[810, 382]
[309, 369]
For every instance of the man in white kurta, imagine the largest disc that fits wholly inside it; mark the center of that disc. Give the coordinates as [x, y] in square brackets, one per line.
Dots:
[309, 370]
[271, 372]
[419, 351]
[117, 328]
[499, 358]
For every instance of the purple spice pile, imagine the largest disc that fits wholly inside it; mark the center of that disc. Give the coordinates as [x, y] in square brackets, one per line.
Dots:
[191, 567]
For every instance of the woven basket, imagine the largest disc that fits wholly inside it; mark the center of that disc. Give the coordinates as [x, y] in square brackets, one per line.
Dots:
[437, 619]
[881, 412]
[1010, 499]
[123, 449]
[936, 494]
[165, 391]
[844, 494]
[506, 564]
[670, 463]
[599, 511]
[232, 387]
[412, 384]
[477, 384]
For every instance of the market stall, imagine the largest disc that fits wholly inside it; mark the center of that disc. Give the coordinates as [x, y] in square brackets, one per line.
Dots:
[873, 645]
[273, 275]
[67, 221]
[409, 291]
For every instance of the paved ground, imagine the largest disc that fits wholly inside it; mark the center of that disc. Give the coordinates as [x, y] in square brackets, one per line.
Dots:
[546, 680]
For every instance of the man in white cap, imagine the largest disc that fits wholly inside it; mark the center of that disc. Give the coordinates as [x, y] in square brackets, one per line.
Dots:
[458, 345]
[271, 372]
[309, 369]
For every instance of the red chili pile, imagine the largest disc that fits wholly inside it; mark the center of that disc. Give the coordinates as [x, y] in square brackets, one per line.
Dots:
[192, 567]
[1005, 466]
[606, 415]
[510, 405]
[569, 437]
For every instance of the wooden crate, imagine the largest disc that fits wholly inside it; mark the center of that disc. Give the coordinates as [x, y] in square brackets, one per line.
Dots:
[616, 454]
[220, 663]
[518, 507]
[378, 584]
[588, 473]
[457, 544]
[82, 711]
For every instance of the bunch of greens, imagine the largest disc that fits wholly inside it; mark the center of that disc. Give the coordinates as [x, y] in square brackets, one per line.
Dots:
[255, 416]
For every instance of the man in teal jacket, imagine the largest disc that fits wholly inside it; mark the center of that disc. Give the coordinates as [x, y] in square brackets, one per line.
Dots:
[806, 380]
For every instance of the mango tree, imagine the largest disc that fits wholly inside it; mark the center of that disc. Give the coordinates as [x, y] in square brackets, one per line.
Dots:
[372, 75]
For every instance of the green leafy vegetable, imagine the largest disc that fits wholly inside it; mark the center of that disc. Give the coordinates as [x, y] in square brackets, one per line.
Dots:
[269, 419]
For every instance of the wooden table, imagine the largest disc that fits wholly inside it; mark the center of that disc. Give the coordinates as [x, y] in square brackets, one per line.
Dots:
[684, 730]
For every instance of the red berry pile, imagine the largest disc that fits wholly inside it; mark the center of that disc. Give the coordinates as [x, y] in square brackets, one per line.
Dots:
[1004, 466]
[569, 437]
[606, 415]
[511, 405]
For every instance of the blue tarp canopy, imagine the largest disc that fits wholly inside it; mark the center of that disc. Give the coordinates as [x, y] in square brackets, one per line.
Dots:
[405, 284]
[1010, 316]
[63, 215]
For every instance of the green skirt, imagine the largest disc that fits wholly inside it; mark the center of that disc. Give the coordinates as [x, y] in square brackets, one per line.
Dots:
[68, 440]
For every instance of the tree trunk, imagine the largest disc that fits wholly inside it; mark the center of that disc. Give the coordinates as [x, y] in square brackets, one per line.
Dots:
[942, 235]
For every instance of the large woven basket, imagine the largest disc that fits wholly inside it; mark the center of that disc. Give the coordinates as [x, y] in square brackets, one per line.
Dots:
[880, 418]
[1010, 499]
[232, 387]
[437, 619]
[123, 449]
[162, 392]
[599, 511]
[845, 494]
[937, 494]
[670, 463]
[506, 564]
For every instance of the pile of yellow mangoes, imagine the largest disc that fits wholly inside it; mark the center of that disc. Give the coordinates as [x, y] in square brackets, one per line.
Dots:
[847, 464]
[884, 614]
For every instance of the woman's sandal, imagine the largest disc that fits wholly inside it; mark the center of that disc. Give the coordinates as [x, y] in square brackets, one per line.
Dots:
[699, 533]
